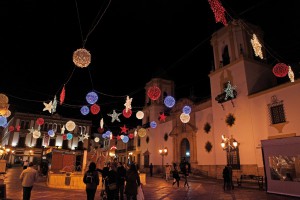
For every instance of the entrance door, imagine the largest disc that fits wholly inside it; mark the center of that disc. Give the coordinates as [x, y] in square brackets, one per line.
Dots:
[185, 150]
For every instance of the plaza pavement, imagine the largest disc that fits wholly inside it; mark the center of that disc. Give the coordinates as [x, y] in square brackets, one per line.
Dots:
[156, 188]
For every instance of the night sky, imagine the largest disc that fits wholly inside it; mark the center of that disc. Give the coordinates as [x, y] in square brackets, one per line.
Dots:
[130, 43]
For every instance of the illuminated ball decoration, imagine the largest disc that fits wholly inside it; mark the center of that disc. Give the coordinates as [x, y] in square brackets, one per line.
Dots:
[3, 98]
[97, 139]
[118, 137]
[153, 92]
[169, 101]
[127, 114]
[69, 136]
[70, 125]
[280, 70]
[125, 139]
[3, 108]
[36, 134]
[81, 58]
[186, 110]
[139, 114]
[40, 121]
[64, 136]
[11, 128]
[131, 136]
[100, 130]
[121, 136]
[185, 118]
[51, 133]
[91, 97]
[153, 124]
[7, 114]
[84, 110]
[3, 121]
[142, 132]
[104, 135]
[95, 109]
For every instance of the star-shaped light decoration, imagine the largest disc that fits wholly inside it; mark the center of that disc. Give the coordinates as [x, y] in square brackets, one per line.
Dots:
[291, 74]
[86, 136]
[114, 116]
[80, 138]
[128, 103]
[48, 106]
[124, 129]
[162, 117]
[229, 91]
[53, 109]
[31, 130]
[256, 45]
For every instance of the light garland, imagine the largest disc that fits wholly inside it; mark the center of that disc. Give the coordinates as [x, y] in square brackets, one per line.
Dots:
[81, 58]
[219, 11]
[256, 45]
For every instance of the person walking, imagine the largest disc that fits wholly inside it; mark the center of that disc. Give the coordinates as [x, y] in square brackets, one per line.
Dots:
[176, 176]
[186, 175]
[132, 183]
[151, 169]
[112, 183]
[91, 180]
[168, 171]
[230, 177]
[28, 177]
[121, 175]
[25, 164]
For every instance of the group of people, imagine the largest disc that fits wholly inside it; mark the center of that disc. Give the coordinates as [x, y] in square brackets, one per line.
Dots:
[116, 179]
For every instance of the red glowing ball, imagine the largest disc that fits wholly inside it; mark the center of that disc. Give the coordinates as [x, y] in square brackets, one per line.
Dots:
[40, 121]
[154, 92]
[95, 109]
[128, 113]
[280, 70]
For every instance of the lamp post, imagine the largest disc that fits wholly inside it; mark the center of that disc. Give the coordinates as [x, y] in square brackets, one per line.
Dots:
[163, 152]
[229, 145]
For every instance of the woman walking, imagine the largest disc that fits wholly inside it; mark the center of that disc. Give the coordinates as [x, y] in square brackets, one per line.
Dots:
[91, 179]
[132, 183]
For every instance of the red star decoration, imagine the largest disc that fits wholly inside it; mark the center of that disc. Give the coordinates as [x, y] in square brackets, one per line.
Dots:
[162, 117]
[124, 129]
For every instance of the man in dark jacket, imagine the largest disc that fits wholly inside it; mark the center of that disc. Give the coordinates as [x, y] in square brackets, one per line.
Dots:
[121, 175]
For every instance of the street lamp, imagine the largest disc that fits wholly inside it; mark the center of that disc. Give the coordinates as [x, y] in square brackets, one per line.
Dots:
[163, 152]
[230, 146]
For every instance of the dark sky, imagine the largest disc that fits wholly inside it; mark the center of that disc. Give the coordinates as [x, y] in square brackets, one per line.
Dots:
[130, 43]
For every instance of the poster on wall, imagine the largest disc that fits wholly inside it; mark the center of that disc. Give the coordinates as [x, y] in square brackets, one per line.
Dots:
[282, 165]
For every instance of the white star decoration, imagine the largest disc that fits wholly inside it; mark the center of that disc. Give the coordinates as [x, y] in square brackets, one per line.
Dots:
[31, 130]
[114, 116]
[81, 138]
[229, 91]
[86, 136]
[48, 106]
[128, 103]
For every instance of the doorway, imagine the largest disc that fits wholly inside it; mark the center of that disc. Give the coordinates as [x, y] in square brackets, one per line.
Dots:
[185, 153]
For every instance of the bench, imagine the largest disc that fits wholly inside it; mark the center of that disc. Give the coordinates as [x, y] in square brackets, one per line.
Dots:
[251, 179]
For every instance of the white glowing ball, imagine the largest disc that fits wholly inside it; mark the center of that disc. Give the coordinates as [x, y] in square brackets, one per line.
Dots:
[97, 139]
[36, 134]
[140, 115]
[81, 58]
[70, 125]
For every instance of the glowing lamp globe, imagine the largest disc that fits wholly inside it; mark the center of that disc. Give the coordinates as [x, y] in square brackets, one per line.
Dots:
[84, 110]
[127, 114]
[70, 125]
[125, 139]
[81, 58]
[169, 101]
[69, 136]
[153, 124]
[154, 92]
[142, 132]
[139, 114]
[186, 110]
[95, 109]
[280, 70]
[97, 139]
[51, 133]
[184, 118]
[91, 97]
[3, 121]
[40, 121]
[36, 134]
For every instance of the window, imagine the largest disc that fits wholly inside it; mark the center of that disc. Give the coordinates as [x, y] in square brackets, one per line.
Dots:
[21, 142]
[65, 144]
[24, 124]
[139, 142]
[52, 142]
[233, 158]
[39, 142]
[146, 160]
[276, 111]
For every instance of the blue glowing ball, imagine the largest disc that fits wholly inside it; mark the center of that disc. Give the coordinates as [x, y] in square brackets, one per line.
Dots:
[169, 101]
[186, 110]
[3, 121]
[91, 97]
[84, 110]
[125, 139]
[153, 124]
[51, 133]
[69, 136]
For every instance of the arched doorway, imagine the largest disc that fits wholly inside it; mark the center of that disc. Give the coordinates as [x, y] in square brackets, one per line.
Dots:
[185, 150]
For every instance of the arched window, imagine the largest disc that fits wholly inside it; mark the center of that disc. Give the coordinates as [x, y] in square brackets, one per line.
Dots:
[225, 56]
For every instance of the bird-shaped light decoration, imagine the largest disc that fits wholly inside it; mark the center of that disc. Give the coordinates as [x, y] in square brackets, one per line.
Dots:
[291, 74]
[62, 96]
[101, 123]
[54, 105]
[128, 103]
